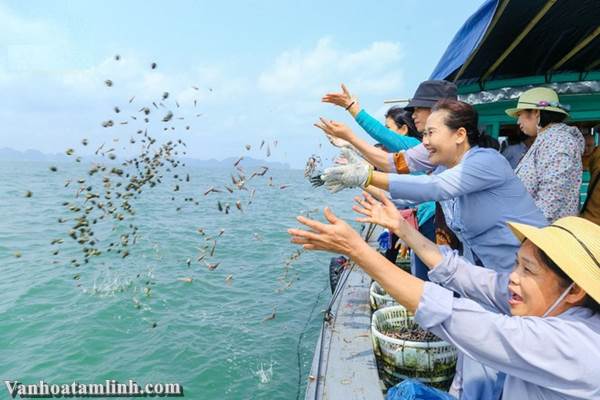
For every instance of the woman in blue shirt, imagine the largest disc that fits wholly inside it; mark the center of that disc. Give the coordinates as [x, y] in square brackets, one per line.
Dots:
[475, 186]
[477, 190]
[399, 133]
[540, 325]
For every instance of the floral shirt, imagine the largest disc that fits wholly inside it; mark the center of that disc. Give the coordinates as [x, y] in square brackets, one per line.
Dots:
[551, 171]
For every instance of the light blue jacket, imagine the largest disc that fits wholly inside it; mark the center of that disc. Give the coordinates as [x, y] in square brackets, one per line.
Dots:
[478, 196]
[394, 142]
[543, 358]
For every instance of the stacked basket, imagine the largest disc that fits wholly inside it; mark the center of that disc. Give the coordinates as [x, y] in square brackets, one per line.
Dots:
[432, 362]
[403, 262]
[379, 297]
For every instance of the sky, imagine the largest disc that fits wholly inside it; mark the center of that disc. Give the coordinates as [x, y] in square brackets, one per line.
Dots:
[260, 67]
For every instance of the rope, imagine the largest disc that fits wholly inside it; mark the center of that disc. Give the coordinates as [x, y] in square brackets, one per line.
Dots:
[328, 316]
[299, 358]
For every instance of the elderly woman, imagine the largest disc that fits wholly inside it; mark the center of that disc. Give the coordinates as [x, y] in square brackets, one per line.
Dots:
[549, 343]
[551, 169]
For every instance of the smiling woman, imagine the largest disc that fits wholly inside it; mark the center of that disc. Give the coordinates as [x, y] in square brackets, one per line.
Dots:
[543, 357]
[476, 187]
[453, 117]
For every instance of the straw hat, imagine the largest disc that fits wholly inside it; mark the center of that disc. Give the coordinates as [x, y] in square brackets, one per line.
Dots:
[541, 98]
[573, 243]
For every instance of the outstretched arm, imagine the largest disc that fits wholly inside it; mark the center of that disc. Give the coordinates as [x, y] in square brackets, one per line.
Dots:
[372, 154]
[343, 99]
[393, 141]
[339, 237]
[448, 269]
[390, 139]
[385, 213]
[480, 171]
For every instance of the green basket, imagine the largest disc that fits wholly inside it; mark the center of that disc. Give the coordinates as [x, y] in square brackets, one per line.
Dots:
[404, 263]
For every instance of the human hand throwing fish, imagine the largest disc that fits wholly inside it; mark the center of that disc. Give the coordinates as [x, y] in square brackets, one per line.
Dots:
[350, 169]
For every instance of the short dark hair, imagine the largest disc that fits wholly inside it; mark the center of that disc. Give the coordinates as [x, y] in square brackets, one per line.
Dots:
[551, 117]
[403, 117]
[463, 115]
[564, 279]
[516, 139]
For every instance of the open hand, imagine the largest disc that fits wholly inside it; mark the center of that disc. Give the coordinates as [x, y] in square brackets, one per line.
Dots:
[335, 129]
[336, 236]
[382, 212]
[343, 99]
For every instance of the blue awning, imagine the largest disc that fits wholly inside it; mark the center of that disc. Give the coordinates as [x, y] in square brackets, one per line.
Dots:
[465, 40]
[507, 39]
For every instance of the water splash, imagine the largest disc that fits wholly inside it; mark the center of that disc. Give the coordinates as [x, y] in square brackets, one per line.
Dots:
[108, 284]
[264, 374]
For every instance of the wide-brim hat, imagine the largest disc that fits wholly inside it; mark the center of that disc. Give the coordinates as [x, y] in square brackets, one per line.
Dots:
[430, 92]
[540, 98]
[573, 243]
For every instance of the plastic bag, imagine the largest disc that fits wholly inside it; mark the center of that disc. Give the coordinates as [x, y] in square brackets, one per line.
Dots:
[384, 240]
[411, 389]
[410, 215]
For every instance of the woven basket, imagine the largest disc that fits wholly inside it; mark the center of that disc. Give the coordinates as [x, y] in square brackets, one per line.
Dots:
[432, 362]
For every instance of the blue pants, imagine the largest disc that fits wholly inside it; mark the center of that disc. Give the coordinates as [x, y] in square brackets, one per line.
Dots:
[418, 267]
[475, 381]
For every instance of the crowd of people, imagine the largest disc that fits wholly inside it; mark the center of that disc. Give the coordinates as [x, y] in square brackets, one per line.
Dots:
[506, 262]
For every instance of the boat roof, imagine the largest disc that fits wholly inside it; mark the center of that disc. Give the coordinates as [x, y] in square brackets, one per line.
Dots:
[506, 39]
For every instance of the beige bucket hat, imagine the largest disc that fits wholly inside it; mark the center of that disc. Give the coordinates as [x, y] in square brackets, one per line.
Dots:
[573, 243]
[541, 98]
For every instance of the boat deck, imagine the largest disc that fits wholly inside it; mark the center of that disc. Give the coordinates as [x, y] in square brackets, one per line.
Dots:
[348, 366]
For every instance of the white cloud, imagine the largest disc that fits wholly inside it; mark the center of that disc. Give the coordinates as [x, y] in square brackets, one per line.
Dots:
[30, 45]
[297, 79]
[372, 70]
[17, 30]
[51, 105]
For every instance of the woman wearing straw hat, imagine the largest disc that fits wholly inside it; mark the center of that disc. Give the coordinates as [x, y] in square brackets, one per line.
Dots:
[551, 169]
[540, 324]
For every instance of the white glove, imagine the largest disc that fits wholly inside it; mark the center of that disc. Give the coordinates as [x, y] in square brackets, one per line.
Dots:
[354, 173]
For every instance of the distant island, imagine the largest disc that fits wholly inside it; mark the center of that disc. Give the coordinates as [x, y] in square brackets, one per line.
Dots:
[8, 154]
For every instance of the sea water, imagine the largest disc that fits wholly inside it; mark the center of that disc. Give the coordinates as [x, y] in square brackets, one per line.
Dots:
[213, 336]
